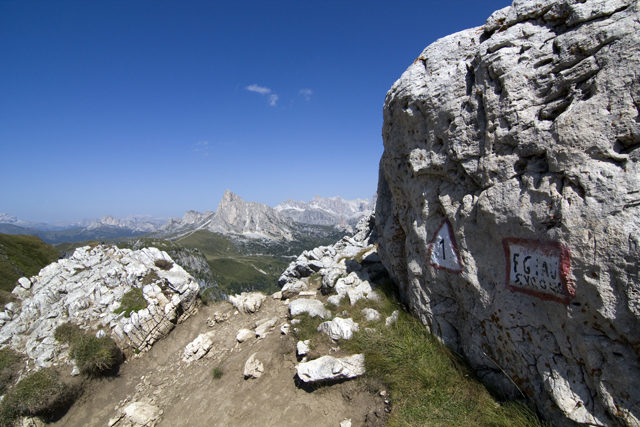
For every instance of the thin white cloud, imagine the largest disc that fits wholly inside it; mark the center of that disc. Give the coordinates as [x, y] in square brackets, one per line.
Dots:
[202, 147]
[259, 89]
[306, 93]
[273, 99]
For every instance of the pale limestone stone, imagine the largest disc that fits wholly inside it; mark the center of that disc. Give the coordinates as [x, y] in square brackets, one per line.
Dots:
[311, 306]
[508, 209]
[253, 368]
[339, 328]
[328, 368]
[244, 334]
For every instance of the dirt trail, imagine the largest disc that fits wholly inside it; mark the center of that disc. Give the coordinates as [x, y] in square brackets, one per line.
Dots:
[188, 394]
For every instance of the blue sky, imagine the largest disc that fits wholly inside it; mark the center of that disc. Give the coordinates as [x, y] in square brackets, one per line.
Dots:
[157, 107]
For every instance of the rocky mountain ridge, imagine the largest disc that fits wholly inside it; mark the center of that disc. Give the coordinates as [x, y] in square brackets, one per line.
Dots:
[327, 210]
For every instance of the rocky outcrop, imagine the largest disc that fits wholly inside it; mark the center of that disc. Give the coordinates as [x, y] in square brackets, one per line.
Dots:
[87, 290]
[508, 202]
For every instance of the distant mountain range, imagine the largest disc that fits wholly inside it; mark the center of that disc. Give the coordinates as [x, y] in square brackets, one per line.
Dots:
[233, 216]
[327, 210]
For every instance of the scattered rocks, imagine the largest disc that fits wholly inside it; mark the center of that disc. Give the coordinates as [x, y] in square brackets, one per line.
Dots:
[339, 328]
[253, 368]
[327, 368]
[247, 302]
[311, 306]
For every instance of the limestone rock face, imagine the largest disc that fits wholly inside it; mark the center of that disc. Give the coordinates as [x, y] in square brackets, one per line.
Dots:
[509, 197]
[86, 289]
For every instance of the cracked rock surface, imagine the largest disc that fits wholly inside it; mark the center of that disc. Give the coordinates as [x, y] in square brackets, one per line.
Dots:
[508, 202]
[86, 290]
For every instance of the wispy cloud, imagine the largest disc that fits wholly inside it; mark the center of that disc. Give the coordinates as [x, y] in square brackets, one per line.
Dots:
[306, 93]
[273, 98]
[202, 147]
[259, 89]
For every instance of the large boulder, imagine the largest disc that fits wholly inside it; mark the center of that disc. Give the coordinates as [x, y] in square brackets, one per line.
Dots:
[509, 202]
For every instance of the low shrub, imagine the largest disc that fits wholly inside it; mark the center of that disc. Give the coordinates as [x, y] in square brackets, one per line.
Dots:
[150, 278]
[163, 264]
[216, 373]
[131, 301]
[67, 333]
[10, 364]
[93, 356]
[41, 393]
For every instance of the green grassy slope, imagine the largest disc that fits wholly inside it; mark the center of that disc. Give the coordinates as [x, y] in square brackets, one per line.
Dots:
[22, 255]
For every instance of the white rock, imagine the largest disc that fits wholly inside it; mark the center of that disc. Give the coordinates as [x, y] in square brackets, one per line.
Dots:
[302, 348]
[244, 334]
[392, 319]
[508, 210]
[330, 368]
[264, 326]
[24, 282]
[284, 329]
[311, 306]
[371, 314]
[339, 328]
[101, 334]
[292, 289]
[198, 348]
[253, 368]
[142, 413]
[345, 423]
[247, 302]
[335, 299]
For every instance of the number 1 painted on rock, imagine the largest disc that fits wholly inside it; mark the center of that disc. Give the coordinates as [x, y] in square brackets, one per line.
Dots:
[443, 250]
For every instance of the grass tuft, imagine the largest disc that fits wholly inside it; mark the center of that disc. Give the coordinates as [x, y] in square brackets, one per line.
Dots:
[41, 393]
[131, 301]
[217, 372]
[93, 356]
[10, 364]
[163, 264]
[429, 385]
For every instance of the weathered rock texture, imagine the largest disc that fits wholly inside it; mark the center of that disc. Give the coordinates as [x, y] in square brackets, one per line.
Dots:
[86, 290]
[509, 199]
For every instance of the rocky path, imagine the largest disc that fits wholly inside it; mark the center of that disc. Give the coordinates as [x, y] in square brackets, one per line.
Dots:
[172, 392]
